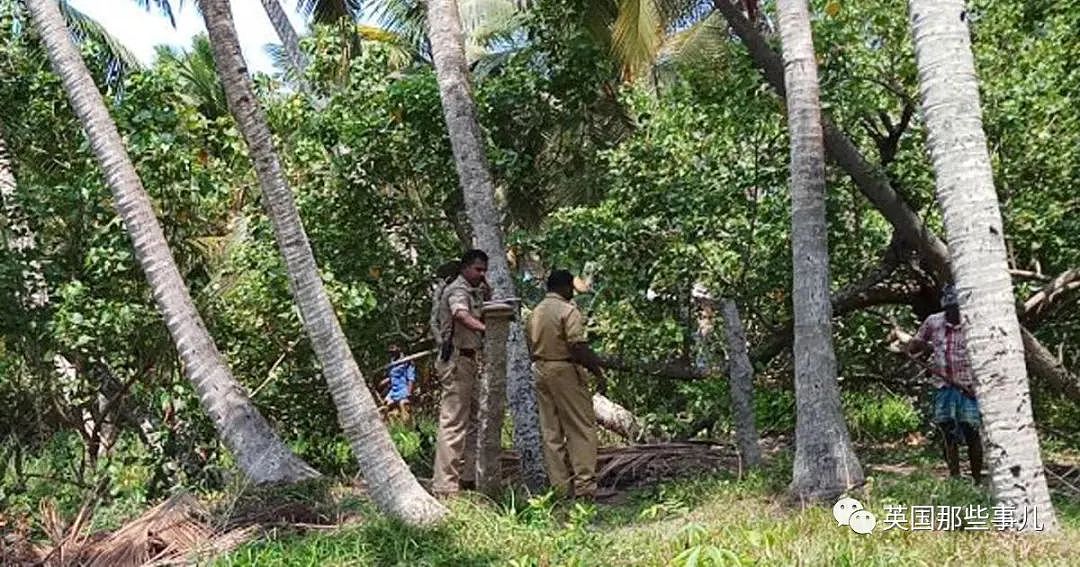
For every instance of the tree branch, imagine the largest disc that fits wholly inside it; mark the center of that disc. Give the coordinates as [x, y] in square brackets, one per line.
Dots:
[1042, 363]
[1029, 275]
[869, 291]
[1041, 303]
[677, 370]
[841, 150]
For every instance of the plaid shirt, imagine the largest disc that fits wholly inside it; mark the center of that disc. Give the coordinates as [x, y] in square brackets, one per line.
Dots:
[950, 350]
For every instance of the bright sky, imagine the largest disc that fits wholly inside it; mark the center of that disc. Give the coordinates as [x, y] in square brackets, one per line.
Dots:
[141, 31]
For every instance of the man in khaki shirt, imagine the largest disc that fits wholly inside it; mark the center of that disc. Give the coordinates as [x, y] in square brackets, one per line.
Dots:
[556, 331]
[458, 366]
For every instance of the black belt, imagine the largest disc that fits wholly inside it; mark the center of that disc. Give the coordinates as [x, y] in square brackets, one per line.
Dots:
[467, 352]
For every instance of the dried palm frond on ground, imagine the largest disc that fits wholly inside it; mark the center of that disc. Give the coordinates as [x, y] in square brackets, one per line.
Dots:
[625, 468]
[640, 465]
[172, 533]
[170, 530]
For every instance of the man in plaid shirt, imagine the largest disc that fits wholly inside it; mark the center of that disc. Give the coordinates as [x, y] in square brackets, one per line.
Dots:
[956, 412]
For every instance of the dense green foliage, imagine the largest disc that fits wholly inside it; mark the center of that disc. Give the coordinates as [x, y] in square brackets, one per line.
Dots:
[652, 188]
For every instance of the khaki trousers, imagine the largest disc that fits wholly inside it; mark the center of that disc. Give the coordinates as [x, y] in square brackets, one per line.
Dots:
[568, 426]
[455, 446]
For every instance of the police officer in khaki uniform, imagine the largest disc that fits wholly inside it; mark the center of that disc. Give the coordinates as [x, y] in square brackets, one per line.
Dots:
[556, 331]
[458, 366]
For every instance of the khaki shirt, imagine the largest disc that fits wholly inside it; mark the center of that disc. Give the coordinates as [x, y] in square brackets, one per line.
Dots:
[554, 325]
[457, 296]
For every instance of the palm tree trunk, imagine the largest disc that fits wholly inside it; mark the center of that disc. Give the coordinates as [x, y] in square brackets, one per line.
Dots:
[825, 462]
[393, 487]
[975, 234]
[289, 38]
[741, 376]
[467, 141]
[258, 451]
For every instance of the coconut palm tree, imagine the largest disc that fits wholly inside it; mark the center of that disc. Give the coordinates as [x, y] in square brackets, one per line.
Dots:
[949, 90]
[201, 87]
[825, 462]
[635, 32]
[393, 487]
[474, 174]
[261, 455]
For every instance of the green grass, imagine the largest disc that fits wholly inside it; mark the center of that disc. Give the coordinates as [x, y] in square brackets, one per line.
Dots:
[719, 520]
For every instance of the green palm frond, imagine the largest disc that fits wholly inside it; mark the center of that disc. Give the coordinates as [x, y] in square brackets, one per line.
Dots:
[280, 60]
[636, 35]
[329, 11]
[197, 70]
[641, 27]
[705, 40]
[491, 63]
[484, 19]
[406, 18]
[598, 18]
[483, 22]
[679, 14]
[163, 6]
[402, 53]
[120, 59]
[507, 33]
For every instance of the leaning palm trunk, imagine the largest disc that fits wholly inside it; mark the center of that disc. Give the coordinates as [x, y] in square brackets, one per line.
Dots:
[393, 487]
[258, 451]
[289, 38]
[825, 463]
[467, 141]
[974, 230]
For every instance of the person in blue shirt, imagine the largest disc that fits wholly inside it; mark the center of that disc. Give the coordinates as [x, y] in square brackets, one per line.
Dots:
[399, 380]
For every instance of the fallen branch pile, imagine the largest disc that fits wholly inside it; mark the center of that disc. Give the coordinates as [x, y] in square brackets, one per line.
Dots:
[175, 532]
[642, 465]
[635, 466]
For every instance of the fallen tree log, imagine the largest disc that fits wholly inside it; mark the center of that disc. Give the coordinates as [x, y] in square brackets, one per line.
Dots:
[616, 419]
